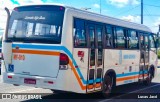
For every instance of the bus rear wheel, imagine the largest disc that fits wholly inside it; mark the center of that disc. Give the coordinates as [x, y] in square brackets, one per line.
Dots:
[107, 86]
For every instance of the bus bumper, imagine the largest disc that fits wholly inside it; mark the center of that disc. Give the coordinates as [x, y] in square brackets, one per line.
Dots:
[33, 81]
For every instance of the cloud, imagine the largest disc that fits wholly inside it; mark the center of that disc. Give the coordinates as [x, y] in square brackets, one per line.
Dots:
[123, 3]
[157, 22]
[27, 2]
[96, 6]
[7, 3]
[131, 18]
[156, 25]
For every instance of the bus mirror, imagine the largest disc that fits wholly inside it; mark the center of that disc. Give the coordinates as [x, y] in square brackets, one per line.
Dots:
[158, 40]
[7, 24]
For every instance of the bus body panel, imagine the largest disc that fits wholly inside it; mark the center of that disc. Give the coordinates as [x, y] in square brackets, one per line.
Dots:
[124, 63]
[31, 60]
[42, 82]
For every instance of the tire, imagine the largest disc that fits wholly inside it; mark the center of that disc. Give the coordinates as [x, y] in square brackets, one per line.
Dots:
[148, 80]
[56, 91]
[107, 86]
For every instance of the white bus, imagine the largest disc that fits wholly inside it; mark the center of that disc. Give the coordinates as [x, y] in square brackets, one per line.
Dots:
[67, 49]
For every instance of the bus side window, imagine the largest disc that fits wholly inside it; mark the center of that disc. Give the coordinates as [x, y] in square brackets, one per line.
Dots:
[108, 37]
[79, 33]
[152, 41]
[133, 39]
[120, 38]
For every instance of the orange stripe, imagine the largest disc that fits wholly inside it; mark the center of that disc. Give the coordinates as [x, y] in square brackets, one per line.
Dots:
[36, 52]
[130, 77]
[78, 78]
[125, 78]
[97, 85]
[90, 86]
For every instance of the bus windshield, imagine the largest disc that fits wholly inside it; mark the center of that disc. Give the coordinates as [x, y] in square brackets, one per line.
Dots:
[40, 24]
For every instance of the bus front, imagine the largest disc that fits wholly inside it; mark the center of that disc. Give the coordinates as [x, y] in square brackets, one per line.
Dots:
[31, 49]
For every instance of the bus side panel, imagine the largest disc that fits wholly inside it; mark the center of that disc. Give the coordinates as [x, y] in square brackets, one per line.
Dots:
[7, 54]
[81, 68]
[74, 80]
[125, 63]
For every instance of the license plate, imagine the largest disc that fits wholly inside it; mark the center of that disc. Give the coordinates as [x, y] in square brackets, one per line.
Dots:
[30, 81]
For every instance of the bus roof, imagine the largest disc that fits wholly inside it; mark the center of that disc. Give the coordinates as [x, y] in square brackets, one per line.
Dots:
[103, 18]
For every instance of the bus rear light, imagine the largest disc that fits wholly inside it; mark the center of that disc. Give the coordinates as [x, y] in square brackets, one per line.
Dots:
[50, 82]
[10, 77]
[64, 60]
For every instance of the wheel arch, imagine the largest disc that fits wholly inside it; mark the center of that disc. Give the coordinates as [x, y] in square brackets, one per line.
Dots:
[111, 73]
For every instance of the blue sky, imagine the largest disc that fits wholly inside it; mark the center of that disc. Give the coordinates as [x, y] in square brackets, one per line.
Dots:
[122, 9]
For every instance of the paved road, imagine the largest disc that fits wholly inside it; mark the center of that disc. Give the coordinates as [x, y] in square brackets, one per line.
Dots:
[127, 90]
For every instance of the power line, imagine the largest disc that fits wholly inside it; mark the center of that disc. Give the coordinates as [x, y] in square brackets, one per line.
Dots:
[127, 10]
[152, 5]
[148, 13]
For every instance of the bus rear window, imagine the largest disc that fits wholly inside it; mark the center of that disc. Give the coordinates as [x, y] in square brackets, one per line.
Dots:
[35, 24]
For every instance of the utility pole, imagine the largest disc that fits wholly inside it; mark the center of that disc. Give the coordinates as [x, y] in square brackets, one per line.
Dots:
[141, 11]
[100, 7]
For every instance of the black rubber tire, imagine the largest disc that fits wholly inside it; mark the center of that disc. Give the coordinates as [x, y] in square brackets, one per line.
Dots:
[148, 80]
[107, 86]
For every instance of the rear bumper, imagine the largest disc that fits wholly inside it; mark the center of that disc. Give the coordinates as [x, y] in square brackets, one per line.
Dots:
[40, 81]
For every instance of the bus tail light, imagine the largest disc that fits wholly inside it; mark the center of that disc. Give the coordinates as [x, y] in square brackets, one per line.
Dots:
[64, 60]
[10, 77]
[50, 82]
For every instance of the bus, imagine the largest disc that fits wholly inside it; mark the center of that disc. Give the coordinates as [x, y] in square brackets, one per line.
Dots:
[67, 49]
[0, 51]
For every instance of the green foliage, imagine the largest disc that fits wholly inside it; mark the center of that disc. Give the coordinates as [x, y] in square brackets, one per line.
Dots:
[158, 54]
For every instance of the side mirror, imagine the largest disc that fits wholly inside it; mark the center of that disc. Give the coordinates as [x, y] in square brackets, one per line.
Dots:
[158, 40]
[7, 24]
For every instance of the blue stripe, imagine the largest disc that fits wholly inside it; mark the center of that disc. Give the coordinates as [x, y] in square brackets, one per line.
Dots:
[90, 81]
[127, 74]
[132, 73]
[26, 46]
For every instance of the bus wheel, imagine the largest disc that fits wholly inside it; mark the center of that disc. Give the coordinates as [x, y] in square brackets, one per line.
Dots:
[107, 86]
[148, 79]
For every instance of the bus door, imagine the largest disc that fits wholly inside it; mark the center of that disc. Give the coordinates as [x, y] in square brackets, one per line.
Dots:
[144, 56]
[95, 57]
